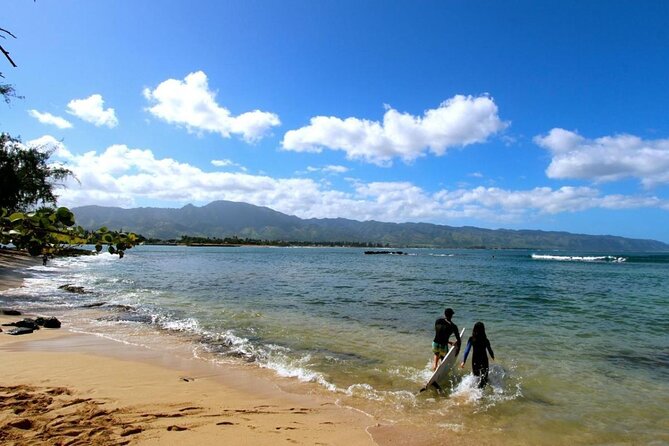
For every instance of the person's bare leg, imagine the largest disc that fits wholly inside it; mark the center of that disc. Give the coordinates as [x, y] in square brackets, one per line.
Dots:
[436, 362]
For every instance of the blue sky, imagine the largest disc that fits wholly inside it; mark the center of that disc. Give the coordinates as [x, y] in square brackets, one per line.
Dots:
[523, 115]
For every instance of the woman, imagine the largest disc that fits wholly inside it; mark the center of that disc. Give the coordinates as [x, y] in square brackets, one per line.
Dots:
[479, 342]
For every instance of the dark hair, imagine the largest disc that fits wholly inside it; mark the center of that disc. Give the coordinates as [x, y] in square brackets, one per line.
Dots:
[449, 312]
[478, 332]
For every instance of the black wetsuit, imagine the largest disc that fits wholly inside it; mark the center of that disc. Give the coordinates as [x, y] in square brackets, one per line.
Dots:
[479, 358]
[443, 329]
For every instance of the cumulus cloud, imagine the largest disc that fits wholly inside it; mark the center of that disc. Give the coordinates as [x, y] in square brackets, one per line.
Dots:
[48, 142]
[191, 104]
[608, 158]
[121, 176]
[92, 110]
[48, 118]
[457, 122]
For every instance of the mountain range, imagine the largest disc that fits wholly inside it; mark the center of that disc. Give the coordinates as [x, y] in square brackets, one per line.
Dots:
[227, 219]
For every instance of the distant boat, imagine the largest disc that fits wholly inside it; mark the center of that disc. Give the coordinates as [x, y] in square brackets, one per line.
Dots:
[397, 253]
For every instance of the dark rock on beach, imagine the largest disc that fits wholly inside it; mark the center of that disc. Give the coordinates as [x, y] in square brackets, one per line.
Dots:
[11, 312]
[120, 307]
[93, 305]
[72, 288]
[48, 322]
[20, 331]
[25, 323]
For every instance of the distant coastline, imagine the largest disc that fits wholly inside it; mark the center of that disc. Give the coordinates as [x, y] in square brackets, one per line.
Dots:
[226, 222]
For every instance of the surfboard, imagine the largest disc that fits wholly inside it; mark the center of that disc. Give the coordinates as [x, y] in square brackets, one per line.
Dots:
[445, 366]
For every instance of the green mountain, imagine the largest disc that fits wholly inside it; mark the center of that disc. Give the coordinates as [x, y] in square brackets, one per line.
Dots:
[226, 219]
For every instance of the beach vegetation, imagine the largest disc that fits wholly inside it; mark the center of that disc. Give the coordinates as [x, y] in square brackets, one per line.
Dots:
[27, 179]
[53, 231]
[29, 216]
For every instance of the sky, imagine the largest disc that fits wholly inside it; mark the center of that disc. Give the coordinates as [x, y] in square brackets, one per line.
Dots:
[547, 115]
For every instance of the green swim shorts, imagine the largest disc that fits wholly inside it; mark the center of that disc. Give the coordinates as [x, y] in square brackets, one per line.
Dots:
[439, 349]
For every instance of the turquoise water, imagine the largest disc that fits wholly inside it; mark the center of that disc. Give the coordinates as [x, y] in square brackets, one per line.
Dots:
[581, 339]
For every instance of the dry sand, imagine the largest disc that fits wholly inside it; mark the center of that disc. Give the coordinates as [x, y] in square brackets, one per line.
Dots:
[63, 388]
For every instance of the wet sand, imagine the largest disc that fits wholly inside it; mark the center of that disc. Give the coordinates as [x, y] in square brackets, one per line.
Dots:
[12, 264]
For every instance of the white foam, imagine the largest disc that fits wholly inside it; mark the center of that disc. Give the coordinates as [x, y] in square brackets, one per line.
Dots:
[185, 325]
[612, 259]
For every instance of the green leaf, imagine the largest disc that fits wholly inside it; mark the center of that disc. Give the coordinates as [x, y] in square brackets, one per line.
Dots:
[16, 216]
[65, 216]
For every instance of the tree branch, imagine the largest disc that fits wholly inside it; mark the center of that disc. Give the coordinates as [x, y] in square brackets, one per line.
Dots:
[7, 56]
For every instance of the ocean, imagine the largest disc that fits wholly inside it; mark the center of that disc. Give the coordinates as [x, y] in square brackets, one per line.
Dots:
[581, 340]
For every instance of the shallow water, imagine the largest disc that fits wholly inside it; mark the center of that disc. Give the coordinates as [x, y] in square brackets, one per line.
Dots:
[581, 339]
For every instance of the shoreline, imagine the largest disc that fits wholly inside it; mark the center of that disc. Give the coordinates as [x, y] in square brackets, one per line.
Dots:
[101, 391]
[104, 392]
[12, 266]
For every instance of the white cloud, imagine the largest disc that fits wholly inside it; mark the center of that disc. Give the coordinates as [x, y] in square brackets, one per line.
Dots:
[121, 175]
[228, 163]
[335, 169]
[190, 103]
[331, 168]
[48, 118]
[92, 110]
[48, 142]
[457, 122]
[608, 158]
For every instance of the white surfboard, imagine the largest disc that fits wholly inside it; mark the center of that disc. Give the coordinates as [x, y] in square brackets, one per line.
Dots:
[445, 366]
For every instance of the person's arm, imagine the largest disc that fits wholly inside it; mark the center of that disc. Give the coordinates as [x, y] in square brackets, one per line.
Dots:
[492, 354]
[457, 334]
[464, 359]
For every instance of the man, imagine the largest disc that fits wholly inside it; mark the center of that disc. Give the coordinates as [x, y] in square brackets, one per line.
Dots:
[443, 328]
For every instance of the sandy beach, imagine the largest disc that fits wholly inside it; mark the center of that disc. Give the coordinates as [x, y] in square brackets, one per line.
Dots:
[64, 388]
[11, 266]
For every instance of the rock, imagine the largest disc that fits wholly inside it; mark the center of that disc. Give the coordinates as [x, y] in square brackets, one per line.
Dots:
[11, 312]
[23, 424]
[25, 323]
[51, 322]
[121, 307]
[20, 331]
[129, 317]
[72, 288]
[93, 305]
[48, 322]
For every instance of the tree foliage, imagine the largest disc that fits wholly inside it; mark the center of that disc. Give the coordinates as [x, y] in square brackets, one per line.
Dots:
[27, 180]
[26, 177]
[53, 231]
